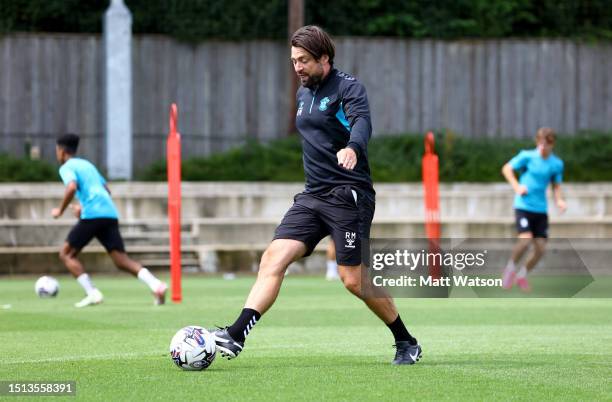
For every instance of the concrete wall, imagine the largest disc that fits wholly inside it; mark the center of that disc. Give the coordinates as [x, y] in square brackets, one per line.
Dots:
[229, 91]
[262, 200]
[223, 214]
[226, 226]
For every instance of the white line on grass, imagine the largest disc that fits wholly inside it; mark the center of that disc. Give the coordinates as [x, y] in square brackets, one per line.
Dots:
[107, 356]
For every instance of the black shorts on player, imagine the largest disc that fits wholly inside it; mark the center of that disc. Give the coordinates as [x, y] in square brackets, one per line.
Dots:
[533, 222]
[345, 212]
[106, 230]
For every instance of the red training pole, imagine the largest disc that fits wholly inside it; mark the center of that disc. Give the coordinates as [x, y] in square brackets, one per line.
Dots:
[173, 154]
[430, 168]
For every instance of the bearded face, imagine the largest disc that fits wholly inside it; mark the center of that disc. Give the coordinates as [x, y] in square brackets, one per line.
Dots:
[309, 71]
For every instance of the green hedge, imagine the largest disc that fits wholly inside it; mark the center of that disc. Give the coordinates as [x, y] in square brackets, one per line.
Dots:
[281, 160]
[392, 159]
[196, 20]
[24, 170]
[398, 159]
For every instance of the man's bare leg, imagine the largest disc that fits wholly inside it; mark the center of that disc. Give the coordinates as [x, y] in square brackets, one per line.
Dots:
[383, 307]
[539, 246]
[125, 263]
[274, 262]
[408, 351]
[520, 247]
[68, 255]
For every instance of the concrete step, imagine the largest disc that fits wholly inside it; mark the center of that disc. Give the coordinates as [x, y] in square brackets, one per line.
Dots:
[157, 264]
[209, 258]
[231, 231]
[40, 260]
[562, 256]
[54, 233]
[271, 200]
[154, 238]
[254, 230]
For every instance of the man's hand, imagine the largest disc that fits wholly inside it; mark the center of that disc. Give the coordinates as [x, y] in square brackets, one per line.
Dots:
[347, 158]
[561, 205]
[69, 193]
[520, 189]
[76, 210]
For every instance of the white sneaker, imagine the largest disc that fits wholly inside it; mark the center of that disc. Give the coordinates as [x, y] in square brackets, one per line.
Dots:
[332, 276]
[160, 294]
[91, 299]
[332, 271]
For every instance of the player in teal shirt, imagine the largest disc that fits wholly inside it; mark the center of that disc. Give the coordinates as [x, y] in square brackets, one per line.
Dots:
[98, 218]
[539, 167]
[91, 191]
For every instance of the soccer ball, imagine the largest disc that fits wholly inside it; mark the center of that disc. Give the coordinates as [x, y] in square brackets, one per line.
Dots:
[193, 348]
[46, 286]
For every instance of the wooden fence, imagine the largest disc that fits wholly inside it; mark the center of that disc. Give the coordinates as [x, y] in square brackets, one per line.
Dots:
[230, 91]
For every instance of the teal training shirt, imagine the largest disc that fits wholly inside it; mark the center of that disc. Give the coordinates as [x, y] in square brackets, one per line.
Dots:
[95, 200]
[536, 174]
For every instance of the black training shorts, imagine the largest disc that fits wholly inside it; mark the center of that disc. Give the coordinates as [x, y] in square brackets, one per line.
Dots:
[533, 222]
[345, 212]
[106, 230]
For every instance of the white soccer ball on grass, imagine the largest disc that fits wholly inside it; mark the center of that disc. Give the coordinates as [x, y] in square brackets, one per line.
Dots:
[46, 286]
[193, 348]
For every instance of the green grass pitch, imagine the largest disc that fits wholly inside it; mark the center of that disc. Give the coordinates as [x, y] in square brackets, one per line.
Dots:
[316, 343]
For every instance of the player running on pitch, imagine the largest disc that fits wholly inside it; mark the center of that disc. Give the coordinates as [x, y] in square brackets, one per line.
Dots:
[333, 118]
[98, 218]
[539, 167]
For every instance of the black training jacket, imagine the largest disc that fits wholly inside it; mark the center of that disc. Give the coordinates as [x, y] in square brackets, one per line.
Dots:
[330, 117]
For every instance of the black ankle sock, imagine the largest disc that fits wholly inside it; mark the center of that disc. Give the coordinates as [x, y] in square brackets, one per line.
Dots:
[243, 325]
[400, 333]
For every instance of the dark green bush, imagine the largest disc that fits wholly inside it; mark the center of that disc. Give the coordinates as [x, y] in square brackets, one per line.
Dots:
[398, 159]
[24, 170]
[392, 159]
[279, 161]
[196, 20]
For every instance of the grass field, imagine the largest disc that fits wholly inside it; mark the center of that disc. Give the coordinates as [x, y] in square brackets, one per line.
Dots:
[317, 343]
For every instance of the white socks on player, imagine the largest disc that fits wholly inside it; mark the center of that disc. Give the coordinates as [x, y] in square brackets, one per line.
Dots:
[332, 270]
[511, 267]
[86, 283]
[147, 277]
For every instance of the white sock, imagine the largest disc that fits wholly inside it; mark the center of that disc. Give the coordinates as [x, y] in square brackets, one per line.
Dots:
[510, 266]
[332, 268]
[86, 283]
[522, 273]
[149, 279]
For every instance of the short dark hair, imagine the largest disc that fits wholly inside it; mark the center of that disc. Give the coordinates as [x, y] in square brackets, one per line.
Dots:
[315, 41]
[69, 143]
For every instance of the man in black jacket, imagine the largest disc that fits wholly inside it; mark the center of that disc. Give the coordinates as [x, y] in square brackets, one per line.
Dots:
[333, 118]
